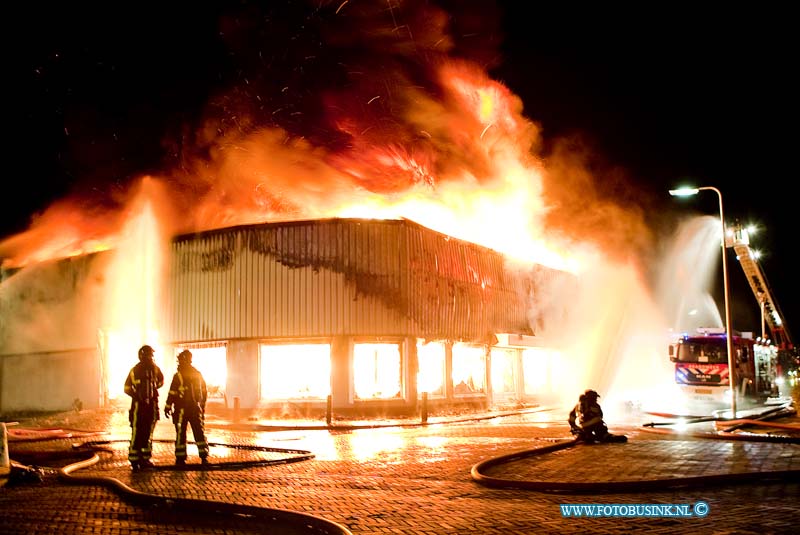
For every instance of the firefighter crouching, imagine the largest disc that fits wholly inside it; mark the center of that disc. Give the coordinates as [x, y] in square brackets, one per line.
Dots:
[142, 385]
[586, 421]
[186, 404]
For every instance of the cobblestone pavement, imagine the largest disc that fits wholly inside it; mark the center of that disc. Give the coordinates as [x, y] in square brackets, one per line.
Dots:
[414, 480]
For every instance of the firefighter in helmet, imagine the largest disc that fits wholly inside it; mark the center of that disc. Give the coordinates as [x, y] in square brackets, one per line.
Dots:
[586, 421]
[142, 385]
[186, 404]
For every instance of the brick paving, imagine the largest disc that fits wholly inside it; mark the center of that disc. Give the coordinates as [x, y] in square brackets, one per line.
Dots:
[398, 480]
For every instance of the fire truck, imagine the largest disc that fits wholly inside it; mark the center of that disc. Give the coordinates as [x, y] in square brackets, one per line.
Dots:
[701, 359]
[702, 373]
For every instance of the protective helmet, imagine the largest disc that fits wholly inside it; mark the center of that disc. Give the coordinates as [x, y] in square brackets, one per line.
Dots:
[185, 356]
[591, 394]
[146, 352]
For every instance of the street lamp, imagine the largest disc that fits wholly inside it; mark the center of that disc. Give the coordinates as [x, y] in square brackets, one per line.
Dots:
[686, 192]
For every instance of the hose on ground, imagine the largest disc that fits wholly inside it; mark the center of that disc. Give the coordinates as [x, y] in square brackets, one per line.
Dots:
[479, 475]
[314, 523]
[89, 450]
[479, 471]
[761, 420]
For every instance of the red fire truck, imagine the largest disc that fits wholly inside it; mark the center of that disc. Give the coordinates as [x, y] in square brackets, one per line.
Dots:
[701, 367]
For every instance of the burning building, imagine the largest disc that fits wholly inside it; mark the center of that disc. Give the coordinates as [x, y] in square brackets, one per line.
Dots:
[371, 314]
[272, 233]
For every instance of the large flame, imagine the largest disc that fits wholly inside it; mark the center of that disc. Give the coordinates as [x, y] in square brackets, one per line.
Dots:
[469, 172]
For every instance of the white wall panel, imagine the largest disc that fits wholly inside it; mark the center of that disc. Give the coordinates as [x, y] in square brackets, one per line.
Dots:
[297, 281]
[341, 277]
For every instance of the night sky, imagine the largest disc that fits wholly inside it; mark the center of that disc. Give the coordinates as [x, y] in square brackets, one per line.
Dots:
[102, 93]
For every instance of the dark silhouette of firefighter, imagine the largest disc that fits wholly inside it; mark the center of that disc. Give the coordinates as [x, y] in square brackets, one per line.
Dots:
[586, 421]
[142, 385]
[186, 404]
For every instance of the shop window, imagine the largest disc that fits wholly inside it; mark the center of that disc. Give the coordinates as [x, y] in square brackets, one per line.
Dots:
[469, 369]
[295, 371]
[540, 370]
[430, 379]
[377, 371]
[504, 375]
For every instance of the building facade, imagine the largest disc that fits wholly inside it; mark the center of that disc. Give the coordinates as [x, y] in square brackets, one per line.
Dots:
[351, 316]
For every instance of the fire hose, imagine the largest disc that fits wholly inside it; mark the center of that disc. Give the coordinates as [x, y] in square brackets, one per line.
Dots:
[479, 471]
[89, 450]
[192, 505]
[479, 475]
[760, 420]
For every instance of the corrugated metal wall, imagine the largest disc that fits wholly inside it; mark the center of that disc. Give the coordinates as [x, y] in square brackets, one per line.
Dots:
[462, 291]
[339, 277]
[298, 279]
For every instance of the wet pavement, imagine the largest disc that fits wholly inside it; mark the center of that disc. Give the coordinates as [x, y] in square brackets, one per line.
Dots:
[409, 478]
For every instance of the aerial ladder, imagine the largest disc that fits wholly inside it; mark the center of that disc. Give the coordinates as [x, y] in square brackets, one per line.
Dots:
[739, 240]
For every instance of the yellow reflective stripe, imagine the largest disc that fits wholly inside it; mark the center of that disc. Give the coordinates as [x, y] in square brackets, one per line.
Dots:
[181, 388]
[179, 444]
[133, 454]
[130, 386]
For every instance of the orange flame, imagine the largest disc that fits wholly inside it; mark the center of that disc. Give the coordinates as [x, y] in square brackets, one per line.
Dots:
[470, 174]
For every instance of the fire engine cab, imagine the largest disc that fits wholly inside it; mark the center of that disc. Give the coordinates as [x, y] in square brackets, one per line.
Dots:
[701, 367]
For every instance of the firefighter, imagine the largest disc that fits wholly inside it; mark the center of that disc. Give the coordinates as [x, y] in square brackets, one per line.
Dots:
[186, 404]
[586, 421]
[142, 385]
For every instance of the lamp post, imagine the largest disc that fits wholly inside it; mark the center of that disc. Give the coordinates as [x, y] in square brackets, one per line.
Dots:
[686, 192]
